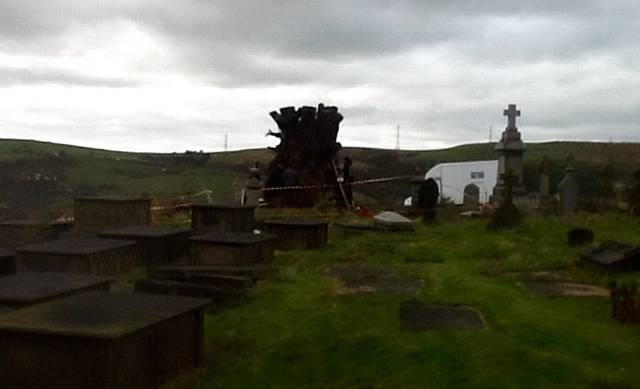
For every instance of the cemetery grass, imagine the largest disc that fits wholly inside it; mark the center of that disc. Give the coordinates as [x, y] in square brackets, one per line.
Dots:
[300, 328]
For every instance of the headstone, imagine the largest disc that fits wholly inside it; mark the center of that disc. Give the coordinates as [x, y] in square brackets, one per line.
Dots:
[506, 215]
[510, 152]
[222, 218]
[232, 249]
[580, 237]
[392, 221]
[7, 262]
[426, 194]
[545, 201]
[298, 234]
[101, 340]
[253, 190]
[27, 289]
[416, 316]
[94, 256]
[634, 198]
[568, 189]
[94, 214]
[159, 245]
[614, 256]
[625, 304]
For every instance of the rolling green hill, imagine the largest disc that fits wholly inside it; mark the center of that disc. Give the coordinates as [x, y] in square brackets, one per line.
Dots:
[42, 178]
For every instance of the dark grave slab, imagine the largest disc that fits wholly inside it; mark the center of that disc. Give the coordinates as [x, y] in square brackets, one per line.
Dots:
[298, 234]
[95, 256]
[223, 218]
[232, 249]
[94, 214]
[26, 289]
[159, 245]
[563, 289]
[579, 237]
[392, 221]
[614, 256]
[416, 316]
[101, 340]
[7, 262]
[364, 278]
[19, 233]
[354, 228]
[217, 294]
[183, 272]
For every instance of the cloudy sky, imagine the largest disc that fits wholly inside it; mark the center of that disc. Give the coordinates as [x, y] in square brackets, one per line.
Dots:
[160, 75]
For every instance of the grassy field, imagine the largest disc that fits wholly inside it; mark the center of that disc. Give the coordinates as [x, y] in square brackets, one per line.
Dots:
[298, 330]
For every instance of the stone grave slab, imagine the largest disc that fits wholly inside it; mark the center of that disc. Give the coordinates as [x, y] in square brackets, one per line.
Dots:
[95, 256]
[365, 278]
[216, 294]
[19, 233]
[94, 214]
[416, 316]
[298, 234]
[26, 289]
[7, 262]
[101, 340]
[392, 221]
[159, 245]
[614, 256]
[354, 228]
[563, 289]
[223, 218]
[183, 272]
[232, 249]
[211, 279]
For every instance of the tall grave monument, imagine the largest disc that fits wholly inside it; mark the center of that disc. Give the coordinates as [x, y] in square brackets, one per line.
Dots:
[510, 152]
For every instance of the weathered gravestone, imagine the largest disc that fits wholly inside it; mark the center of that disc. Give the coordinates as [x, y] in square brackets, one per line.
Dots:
[232, 249]
[615, 256]
[416, 316]
[94, 256]
[305, 156]
[158, 245]
[634, 196]
[94, 214]
[367, 278]
[510, 152]
[253, 190]
[217, 294]
[568, 189]
[101, 340]
[298, 234]
[7, 262]
[27, 289]
[506, 214]
[392, 221]
[579, 237]
[223, 218]
[426, 194]
[545, 201]
[625, 304]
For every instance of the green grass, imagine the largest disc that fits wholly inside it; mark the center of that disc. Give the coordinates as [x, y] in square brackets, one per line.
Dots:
[298, 332]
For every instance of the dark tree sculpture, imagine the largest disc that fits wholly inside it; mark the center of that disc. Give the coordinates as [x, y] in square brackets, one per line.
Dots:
[307, 151]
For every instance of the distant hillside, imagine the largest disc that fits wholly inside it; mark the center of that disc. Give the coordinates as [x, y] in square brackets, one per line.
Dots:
[44, 177]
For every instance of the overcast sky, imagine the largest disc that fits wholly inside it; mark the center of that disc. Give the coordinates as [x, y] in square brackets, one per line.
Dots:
[159, 75]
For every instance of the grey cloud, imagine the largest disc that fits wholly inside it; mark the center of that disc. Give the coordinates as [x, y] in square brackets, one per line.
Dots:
[38, 76]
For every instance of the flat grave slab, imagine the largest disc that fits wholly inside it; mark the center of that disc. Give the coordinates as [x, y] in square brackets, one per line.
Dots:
[216, 294]
[298, 234]
[392, 221]
[416, 316]
[223, 217]
[365, 278]
[26, 289]
[614, 256]
[21, 232]
[101, 340]
[7, 262]
[232, 249]
[159, 245]
[182, 272]
[94, 214]
[95, 256]
[560, 289]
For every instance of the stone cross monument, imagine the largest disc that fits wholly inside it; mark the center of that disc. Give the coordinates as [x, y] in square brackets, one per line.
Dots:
[510, 151]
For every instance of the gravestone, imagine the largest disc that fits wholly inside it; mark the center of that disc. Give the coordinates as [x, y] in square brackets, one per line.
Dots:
[158, 245]
[579, 237]
[634, 196]
[568, 189]
[222, 218]
[392, 221]
[101, 340]
[94, 214]
[216, 294]
[27, 289]
[94, 256]
[298, 234]
[232, 249]
[7, 262]
[416, 316]
[253, 190]
[510, 152]
[625, 304]
[506, 214]
[613, 255]
[545, 201]
[426, 194]
[366, 278]
[471, 199]
[184, 272]
[563, 289]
